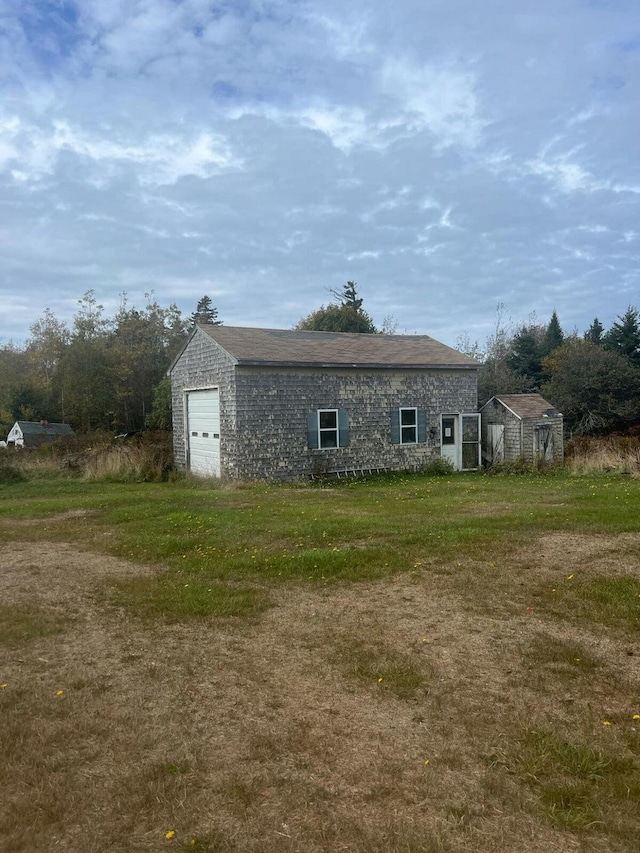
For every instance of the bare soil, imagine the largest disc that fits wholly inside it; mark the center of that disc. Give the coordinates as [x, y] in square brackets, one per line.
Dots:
[255, 737]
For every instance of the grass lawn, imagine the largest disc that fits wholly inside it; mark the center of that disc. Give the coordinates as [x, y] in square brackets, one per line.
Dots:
[391, 665]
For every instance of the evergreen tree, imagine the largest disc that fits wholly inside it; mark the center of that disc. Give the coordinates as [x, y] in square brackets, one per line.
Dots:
[624, 336]
[595, 332]
[205, 313]
[553, 336]
[348, 296]
[525, 359]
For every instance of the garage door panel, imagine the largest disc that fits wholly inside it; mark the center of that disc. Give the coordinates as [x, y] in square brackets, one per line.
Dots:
[203, 431]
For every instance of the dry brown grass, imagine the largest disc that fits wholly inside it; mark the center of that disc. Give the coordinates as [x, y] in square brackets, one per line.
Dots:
[267, 735]
[617, 454]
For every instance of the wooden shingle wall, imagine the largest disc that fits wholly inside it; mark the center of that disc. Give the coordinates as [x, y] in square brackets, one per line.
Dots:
[264, 412]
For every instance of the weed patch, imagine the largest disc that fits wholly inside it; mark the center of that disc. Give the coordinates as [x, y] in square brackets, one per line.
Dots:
[561, 656]
[611, 601]
[378, 665]
[176, 598]
[21, 624]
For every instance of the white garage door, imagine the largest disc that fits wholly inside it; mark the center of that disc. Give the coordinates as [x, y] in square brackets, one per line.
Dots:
[203, 432]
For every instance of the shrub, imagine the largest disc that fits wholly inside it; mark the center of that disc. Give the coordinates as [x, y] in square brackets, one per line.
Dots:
[439, 467]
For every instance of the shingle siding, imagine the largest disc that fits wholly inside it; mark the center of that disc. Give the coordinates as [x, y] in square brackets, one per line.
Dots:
[273, 406]
[519, 431]
[264, 412]
[204, 365]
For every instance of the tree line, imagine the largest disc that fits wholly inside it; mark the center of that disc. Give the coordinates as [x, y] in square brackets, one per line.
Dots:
[99, 372]
[592, 378]
[110, 373]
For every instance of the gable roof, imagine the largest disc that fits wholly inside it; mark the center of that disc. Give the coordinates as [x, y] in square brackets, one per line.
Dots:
[291, 347]
[526, 405]
[37, 428]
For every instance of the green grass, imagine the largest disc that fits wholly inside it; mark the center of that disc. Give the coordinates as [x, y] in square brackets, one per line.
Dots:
[611, 601]
[580, 787]
[346, 531]
[178, 598]
[21, 624]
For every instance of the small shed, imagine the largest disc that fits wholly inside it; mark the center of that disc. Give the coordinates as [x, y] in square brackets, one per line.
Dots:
[521, 426]
[35, 433]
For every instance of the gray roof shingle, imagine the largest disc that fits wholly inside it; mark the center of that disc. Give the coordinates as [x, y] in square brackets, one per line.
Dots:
[528, 405]
[283, 347]
[38, 428]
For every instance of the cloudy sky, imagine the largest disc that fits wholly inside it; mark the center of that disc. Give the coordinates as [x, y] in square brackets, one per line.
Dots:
[447, 155]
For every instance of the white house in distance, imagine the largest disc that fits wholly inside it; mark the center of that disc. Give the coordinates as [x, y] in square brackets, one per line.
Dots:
[34, 433]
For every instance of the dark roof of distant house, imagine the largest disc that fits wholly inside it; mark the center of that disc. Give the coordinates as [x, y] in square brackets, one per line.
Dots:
[527, 405]
[294, 348]
[37, 428]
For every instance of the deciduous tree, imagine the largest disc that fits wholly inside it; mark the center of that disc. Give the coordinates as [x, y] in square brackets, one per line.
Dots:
[597, 390]
[347, 316]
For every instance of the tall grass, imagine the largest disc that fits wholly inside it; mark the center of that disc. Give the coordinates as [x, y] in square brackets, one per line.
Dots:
[96, 457]
[613, 454]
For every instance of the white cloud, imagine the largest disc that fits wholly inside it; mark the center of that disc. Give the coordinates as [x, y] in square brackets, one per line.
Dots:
[265, 150]
[158, 159]
[441, 99]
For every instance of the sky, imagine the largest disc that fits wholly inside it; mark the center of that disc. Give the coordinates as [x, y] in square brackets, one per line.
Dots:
[449, 156]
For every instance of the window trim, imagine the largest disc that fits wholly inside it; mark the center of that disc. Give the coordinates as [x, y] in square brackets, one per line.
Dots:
[413, 426]
[328, 430]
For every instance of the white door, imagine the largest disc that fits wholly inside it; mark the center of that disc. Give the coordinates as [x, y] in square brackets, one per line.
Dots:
[450, 439]
[460, 440]
[203, 432]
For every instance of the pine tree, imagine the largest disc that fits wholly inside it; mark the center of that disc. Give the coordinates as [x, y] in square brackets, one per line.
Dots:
[525, 359]
[205, 313]
[624, 336]
[595, 332]
[553, 336]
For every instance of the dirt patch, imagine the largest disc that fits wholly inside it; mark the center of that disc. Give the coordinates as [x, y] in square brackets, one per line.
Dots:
[51, 518]
[256, 737]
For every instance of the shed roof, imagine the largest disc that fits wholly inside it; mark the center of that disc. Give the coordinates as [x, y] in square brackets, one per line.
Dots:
[526, 405]
[291, 347]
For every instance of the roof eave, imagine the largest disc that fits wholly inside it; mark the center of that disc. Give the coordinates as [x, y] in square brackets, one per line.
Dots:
[247, 362]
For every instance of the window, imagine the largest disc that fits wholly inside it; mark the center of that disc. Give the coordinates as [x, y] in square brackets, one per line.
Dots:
[449, 430]
[408, 426]
[327, 429]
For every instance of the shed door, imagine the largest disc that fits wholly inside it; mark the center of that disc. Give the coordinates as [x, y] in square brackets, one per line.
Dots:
[495, 434]
[543, 443]
[203, 432]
